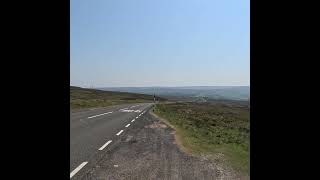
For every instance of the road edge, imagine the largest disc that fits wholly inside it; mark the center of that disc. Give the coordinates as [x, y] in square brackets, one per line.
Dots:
[177, 136]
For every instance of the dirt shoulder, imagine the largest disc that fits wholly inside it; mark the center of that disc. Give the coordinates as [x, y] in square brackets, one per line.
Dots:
[177, 136]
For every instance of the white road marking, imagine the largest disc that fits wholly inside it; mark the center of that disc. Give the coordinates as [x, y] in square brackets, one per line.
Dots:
[99, 115]
[129, 110]
[137, 117]
[77, 169]
[105, 145]
[126, 110]
[127, 125]
[135, 106]
[132, 120]
[119, 132]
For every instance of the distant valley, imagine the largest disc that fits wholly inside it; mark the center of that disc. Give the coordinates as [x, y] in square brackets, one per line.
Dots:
[191, 93]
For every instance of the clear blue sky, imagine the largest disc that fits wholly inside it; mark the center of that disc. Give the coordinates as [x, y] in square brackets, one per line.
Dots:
[159, 42]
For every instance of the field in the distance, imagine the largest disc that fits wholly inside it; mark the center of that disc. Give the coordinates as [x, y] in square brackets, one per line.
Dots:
[88, 98]
[211, 128]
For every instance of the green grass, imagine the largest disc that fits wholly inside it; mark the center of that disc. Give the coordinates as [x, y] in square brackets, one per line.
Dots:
[212, 128]
[89, 98]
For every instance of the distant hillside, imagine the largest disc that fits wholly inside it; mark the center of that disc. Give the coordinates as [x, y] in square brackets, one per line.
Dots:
[86, 98]
[193, 93]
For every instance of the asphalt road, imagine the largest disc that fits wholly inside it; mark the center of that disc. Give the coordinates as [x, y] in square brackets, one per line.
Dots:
[92, 131]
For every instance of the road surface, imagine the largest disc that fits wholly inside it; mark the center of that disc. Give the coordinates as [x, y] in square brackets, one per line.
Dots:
[92, 130]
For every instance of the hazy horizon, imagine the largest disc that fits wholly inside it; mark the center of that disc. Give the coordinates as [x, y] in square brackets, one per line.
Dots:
[194, 92]
[157, 86]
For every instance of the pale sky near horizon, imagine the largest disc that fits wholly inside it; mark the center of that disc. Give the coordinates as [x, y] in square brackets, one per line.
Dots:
[159, 43]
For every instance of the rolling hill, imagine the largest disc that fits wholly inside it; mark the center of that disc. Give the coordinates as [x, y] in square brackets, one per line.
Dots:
[88, 98]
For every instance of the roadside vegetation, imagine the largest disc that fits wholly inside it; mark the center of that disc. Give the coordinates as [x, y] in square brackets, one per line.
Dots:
[211, 128]
[89, 98]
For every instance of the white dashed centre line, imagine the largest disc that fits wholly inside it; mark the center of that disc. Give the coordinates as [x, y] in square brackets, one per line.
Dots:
[127, 125]
[132, 120]
[105, 145]
[119, 132]
[77, 169]
[99, 115]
